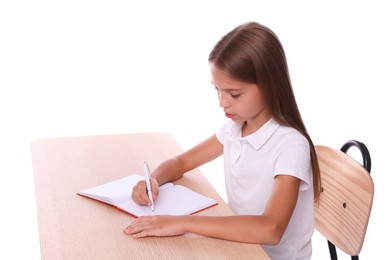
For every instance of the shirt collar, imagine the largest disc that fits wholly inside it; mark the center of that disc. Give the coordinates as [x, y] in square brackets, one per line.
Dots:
[262, 135]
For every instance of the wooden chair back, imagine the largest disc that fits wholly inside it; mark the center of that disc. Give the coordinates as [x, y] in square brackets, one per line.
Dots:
[347, 193]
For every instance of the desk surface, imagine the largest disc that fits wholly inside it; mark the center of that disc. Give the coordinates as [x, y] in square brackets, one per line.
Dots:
[73, 227]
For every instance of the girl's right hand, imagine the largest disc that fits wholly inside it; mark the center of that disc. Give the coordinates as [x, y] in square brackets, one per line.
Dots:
[140, 193]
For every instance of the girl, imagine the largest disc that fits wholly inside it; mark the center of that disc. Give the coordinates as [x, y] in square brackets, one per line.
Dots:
[271, 169]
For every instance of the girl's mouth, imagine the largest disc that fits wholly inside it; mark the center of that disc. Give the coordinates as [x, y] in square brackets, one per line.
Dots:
[229, 115]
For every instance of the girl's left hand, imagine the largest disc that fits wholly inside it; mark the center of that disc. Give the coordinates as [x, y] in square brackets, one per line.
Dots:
[148, 226]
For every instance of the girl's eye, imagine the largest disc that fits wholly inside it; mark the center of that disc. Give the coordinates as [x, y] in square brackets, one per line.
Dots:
[235, 95]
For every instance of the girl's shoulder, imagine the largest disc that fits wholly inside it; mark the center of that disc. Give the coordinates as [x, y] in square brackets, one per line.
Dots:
[289, 135]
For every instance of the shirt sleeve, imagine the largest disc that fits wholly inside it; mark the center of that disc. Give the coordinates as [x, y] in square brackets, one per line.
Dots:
[220, 135]
[222, 131]
[294, 160]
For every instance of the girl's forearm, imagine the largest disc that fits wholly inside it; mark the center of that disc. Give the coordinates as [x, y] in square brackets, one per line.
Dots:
[200, 154]
[168, 171]
[247, 229]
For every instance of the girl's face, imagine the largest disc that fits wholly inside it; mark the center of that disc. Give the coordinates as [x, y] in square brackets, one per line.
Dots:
[242, 102]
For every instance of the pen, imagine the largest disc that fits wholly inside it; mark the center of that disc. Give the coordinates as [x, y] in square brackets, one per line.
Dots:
[148, 186]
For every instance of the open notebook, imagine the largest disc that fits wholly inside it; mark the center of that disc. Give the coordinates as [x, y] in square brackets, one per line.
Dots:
[172, 199]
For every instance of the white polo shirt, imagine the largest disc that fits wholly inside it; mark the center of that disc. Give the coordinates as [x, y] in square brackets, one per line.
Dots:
[251, 164]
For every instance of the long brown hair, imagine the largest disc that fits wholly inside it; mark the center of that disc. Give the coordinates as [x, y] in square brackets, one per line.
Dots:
[252, 53]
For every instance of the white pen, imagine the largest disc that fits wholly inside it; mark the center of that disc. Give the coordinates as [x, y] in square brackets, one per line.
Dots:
[148, 185]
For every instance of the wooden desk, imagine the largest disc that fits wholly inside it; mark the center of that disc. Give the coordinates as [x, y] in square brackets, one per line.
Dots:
[73, 227]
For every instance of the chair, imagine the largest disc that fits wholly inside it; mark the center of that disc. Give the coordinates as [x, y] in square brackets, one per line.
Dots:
[347, 193]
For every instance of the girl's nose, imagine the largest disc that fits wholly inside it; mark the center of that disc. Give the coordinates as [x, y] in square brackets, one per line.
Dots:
[223, 101]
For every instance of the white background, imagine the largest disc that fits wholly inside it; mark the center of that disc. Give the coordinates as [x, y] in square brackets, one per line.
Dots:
[70, 68]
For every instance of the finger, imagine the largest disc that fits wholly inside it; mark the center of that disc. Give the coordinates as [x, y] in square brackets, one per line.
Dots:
[141, 234]
[139, 194]
[137, 226]
[155, 188]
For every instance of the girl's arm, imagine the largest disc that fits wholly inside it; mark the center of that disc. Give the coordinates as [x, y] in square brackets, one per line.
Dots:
[174, 168]
[267, 228]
